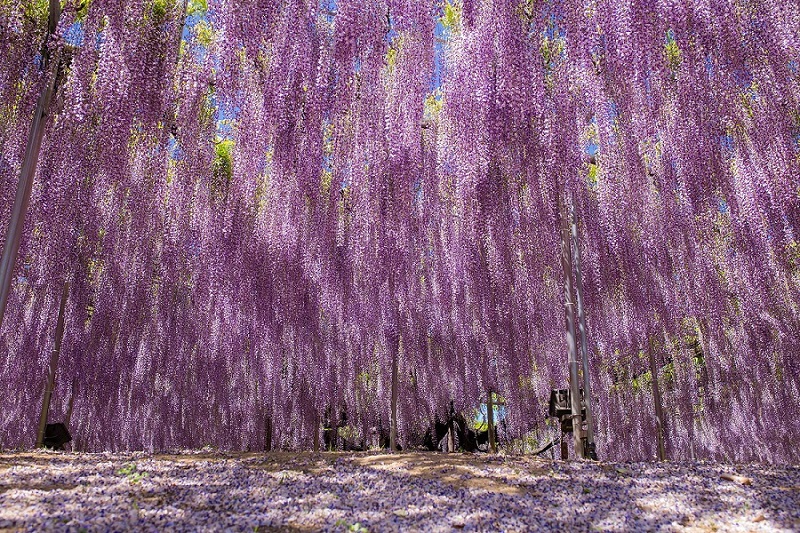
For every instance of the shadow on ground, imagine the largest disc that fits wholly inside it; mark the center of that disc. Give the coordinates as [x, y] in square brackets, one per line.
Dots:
[283, 491]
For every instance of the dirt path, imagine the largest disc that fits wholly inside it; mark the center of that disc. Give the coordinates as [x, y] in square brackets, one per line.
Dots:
[282, 491]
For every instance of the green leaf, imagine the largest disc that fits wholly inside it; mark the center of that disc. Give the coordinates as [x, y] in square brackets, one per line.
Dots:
[451, 19]
[204, 33]
[197, 7]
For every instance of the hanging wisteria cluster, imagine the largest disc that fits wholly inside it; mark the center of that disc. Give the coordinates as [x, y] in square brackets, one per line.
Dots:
[263, 208]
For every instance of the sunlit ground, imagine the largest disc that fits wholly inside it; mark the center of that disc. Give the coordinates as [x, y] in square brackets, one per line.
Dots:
[49, 491]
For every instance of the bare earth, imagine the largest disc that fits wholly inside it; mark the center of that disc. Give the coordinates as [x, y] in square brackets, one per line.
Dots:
[213, 491]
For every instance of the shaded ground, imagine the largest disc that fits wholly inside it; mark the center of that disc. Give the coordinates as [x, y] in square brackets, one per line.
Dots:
[48, 491]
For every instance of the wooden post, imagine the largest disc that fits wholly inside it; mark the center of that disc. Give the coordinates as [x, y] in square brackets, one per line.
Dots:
[490, 422]
[572, 348]
[268, 434]
[51, 372]
[587, 388]
[28, 171]
[662, 453]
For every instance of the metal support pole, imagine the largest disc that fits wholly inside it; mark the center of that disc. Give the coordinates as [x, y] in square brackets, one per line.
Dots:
[51, 373]
[451, 430]
[68, 418]
[394, 340]
[268, 434]
[572, 348]
[451, 438]
[70, 405]
[316, 433]
[23, 197]
[587, 388]
[662, 451]
[393, 421]
[490, 423]
[451, 433]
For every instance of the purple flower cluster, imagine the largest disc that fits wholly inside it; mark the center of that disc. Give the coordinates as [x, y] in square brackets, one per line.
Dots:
[264, 207]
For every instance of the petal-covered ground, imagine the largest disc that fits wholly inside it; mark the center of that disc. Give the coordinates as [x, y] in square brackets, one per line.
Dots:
[48, 491]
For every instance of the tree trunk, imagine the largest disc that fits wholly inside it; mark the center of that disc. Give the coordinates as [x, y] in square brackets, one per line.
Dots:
[51, 373]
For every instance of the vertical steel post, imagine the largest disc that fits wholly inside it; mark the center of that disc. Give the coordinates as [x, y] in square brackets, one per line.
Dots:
[28, 171]
[316, 433]
[451, 438]
[587, 389]
[70, 405]
[51, 373]
[451, 434]
[662, 451]
[393, 420]
[490, 423]
[572, 348]
[394, 340]
[73, 446]
[268, 434]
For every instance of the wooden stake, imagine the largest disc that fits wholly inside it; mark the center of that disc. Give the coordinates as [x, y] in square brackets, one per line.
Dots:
[26, 175]
[490, 422]
[662, 452]
[572, 348]
[51, 373]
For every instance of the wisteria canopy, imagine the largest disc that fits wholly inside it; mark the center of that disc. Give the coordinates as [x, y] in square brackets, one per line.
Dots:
[261, 207]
